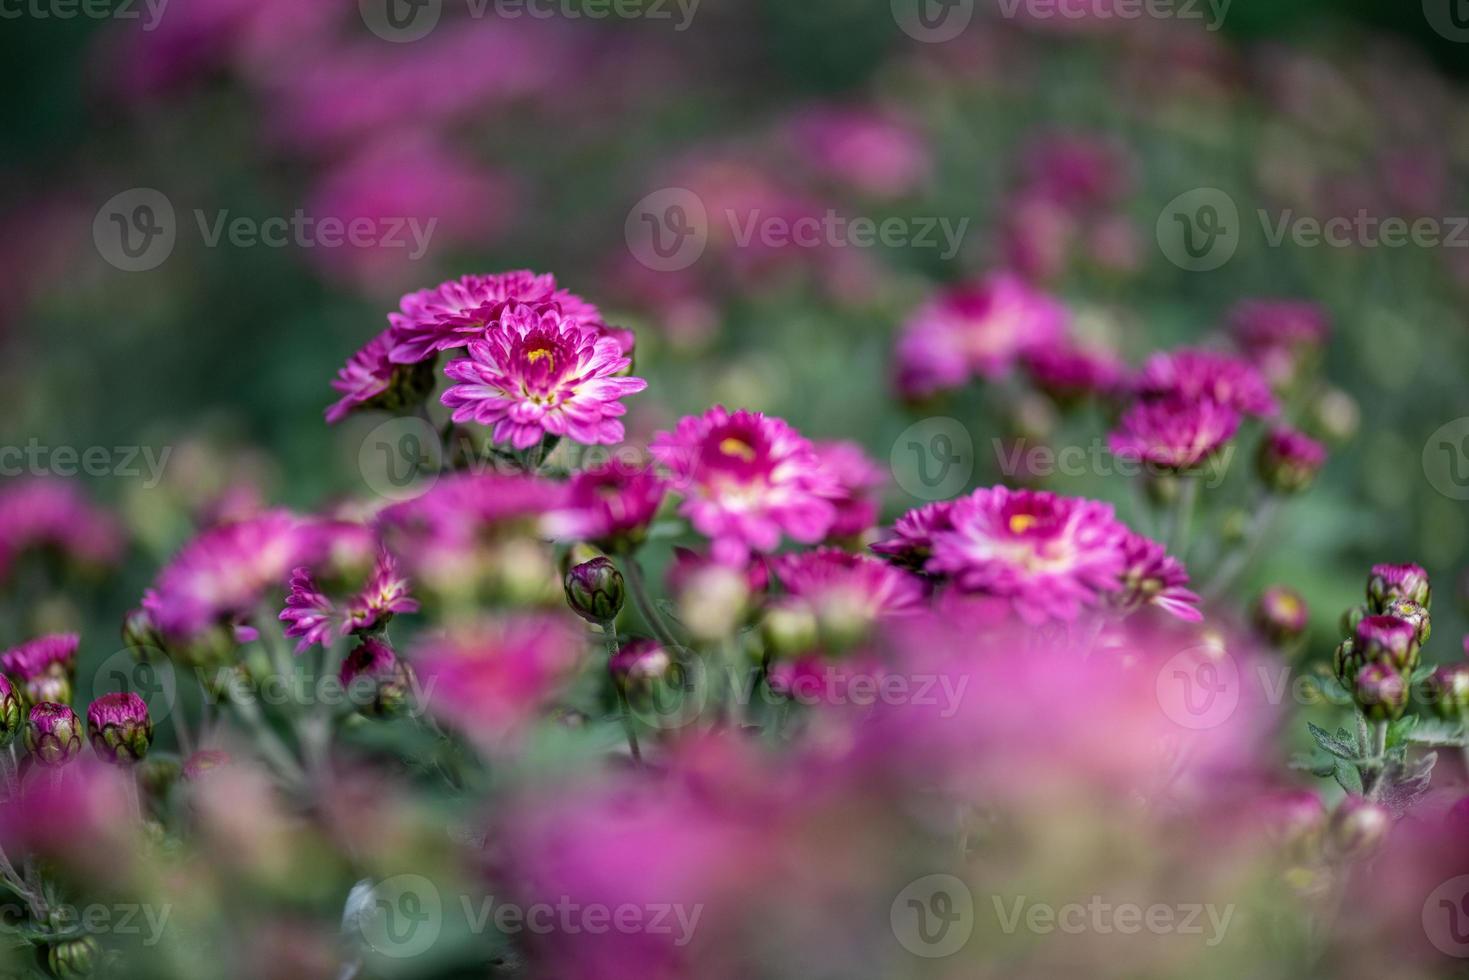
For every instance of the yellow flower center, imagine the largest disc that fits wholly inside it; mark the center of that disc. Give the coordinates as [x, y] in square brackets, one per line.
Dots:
[1020, 523]
[737, 448]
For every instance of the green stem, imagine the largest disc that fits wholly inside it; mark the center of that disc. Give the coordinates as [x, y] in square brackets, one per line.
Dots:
[609, 631]
[1181, 523]
[634, 575]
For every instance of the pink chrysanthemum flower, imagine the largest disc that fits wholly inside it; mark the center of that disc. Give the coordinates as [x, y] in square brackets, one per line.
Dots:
[610, 505]
[1051, 555]
[912, 542]
[43, 668]
[1067, 372]
[370, 380]
[51, 514]
[312, 616]
[1153, 577]
[1289, 460]
[1173, 433]
[864, 149]
[225, 572]
[858, 586]
[976, 330]
[1259, 324]
[746, 479]
[859, 481]
[456, 312]
[1197, 375]
[491, 679]
[537, 374]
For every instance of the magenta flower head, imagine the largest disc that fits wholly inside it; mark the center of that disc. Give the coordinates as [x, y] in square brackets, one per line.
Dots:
[1278, 335]
[343, 595]
[12, 712]
[858, 480]
[595, 591]
[1447, 690]
[1069, 374]
[371, 381]
[639, 665]
[1388, 640]
[1051, 556]
[747, 479]
[1380, 692]
[609, 506]
[1174, 434]
[911, 543]
[119, 728]
[974, 331]
[1281, 615]
[538, 373]
[848, 593]
[1152, 577]
[49, 515]
[1412, 612]
[1289, 461]
[53, 734]
[44, 668]
[863, 149]
[1196, 375]
[456, 312]
[1357, 827]
[1389, 582]
[376, 680]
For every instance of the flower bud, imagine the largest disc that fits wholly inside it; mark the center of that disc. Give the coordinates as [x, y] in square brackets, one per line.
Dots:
[1357, 827]
[1289, 461]
[1347, 661]
[1352, 617]
[1390, 641]
[1281, 615]
[53, 734]
[140, 634]
[1336, 416]
[1380, 692]
[71, 958]
[378, 683]
[713, 601]
[639, 664]
[12, 712]
[1388, 582]
[44, 667]
[1447, 689]
[119, 728]
[595, 590]
[789, 628]
[1411, 612]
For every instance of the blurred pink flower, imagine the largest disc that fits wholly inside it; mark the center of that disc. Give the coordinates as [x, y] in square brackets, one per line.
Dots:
[911, 545]
[312, 616]
[850, 585]
[1152, 577]
[859, 481]
[1174, 433]
[50, 514]
[1193, 374]
[610, 505]
[863, 148]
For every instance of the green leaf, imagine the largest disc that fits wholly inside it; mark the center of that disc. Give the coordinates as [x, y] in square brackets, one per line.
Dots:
[1316, 764]
[1434, 731]
[1336, 745]
[1348, 777]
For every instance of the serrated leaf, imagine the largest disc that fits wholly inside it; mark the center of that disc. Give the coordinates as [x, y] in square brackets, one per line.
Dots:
[1348, 777]
[1332, 744]
[1404, 783]
[1316, 764]
[1435, 731]
[1398, 731]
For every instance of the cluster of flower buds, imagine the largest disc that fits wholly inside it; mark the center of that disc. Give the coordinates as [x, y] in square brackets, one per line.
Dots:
[1377, 659]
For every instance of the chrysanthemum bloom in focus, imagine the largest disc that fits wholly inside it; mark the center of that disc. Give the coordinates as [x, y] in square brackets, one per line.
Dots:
[1388, 582]
[539, 373]
[371, 381]
[51, 515]
[1174, 434]
[492, 678]
[224, 574]
[1152, 577]
[377, 681]
[44, 668]
[974, 331]
[1052, 556]
[746, 479]
[53, 734]
[119, 728]
[609, 506]
[357, 586]
[912, 542]
[1197, 375]
[1289, 460]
